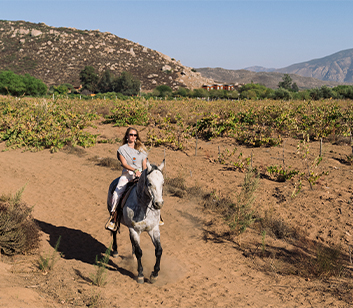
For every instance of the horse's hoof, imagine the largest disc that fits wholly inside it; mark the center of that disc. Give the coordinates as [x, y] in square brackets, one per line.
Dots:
[153, 279]
[140, 280]
[115, 254]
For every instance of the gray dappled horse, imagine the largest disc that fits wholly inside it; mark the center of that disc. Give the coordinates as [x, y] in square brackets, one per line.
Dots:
[141, 213]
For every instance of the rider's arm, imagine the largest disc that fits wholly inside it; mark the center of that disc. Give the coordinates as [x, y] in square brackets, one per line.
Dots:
[127, 166]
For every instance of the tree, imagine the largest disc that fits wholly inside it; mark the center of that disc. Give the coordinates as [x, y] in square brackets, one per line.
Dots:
[13, 84]
[254, 90]
[126, 84]
[200, 93]
[248, 94]
[327, 92]
[34, 86]
[182, 92]
[315, 93]
[105, 83]
[282, 93]
[295, 87]
[343, 91]
[286, 82]
[89, 78]
[69, 87]
[61, 89]
[164, 90]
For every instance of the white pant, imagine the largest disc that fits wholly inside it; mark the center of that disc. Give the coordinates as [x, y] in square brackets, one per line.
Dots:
[126, 177]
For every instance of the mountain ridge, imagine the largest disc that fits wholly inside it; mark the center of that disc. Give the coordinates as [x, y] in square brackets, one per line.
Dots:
[332, 70]
[335, 67]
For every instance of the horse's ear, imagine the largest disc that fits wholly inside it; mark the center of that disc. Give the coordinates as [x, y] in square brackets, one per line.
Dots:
[161, 166]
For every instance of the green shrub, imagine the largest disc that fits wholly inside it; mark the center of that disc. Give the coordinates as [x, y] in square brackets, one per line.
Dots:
[34, 87]
[47, 262]
[183, 92]
[200, 93]
[281, 174]
[46, 125]
[126, 84]
[128, 113]
[164, 90]
[282, 93]
[249, 94]
[254, 91]
[100, 277]
[89, 78]
[105, 82]
[12, 84]
[344, 91]
[17, 85]
[239, 215]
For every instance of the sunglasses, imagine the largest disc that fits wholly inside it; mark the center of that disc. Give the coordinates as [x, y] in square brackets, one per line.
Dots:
[135, 135]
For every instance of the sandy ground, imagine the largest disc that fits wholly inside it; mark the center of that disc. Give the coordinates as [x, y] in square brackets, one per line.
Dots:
[203, 265]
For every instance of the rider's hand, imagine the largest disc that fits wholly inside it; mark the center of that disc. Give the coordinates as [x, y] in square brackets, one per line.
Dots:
[138, 173]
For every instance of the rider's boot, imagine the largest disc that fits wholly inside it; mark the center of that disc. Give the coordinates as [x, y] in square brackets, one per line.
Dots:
[115, 219]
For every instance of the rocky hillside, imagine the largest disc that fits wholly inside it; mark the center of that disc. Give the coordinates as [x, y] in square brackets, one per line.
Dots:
[336, 67]
[57, 55]
[269, 79]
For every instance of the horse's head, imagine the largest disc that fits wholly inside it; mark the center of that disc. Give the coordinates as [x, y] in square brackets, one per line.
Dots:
[154, 184]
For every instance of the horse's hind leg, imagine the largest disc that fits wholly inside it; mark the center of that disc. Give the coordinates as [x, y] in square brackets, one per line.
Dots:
[135, 241]
[115, 245]
[155, 236]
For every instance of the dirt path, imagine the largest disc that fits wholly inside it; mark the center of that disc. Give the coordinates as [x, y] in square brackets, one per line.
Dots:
[199, 268]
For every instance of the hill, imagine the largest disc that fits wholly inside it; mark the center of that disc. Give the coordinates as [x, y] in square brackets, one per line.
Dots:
[269, 79]
[57, 55]
[336, 67]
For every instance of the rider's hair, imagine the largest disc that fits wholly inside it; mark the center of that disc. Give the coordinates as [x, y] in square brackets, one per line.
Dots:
[138, 143]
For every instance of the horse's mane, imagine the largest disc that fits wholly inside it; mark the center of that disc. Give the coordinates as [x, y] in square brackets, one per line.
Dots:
[154, 167]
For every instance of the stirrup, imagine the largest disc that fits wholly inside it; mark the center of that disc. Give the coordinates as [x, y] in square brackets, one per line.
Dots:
[111, 225]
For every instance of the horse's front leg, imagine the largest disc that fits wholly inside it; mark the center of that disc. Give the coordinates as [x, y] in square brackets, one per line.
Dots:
[155, 236]
[136, 249]
[115, 245]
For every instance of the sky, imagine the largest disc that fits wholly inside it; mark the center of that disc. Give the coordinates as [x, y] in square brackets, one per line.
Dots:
[232, 34]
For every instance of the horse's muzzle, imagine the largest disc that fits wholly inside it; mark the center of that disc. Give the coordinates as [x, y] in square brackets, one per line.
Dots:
[158, 205]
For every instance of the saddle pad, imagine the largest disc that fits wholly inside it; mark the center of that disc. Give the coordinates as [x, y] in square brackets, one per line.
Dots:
[127, 194]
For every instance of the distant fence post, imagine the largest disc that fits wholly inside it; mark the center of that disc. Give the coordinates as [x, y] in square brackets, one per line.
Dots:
[165, 165]
[196, 146]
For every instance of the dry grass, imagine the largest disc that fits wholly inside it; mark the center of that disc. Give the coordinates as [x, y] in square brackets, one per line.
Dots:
[276, 227]
[18, 231]
[176, 187]
[107, 162]
[69, 149]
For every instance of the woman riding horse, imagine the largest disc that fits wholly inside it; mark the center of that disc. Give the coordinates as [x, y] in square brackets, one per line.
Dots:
[133, 157]
[141, 213]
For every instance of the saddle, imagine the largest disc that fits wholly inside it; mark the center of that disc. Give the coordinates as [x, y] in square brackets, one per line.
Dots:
[115, 218]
